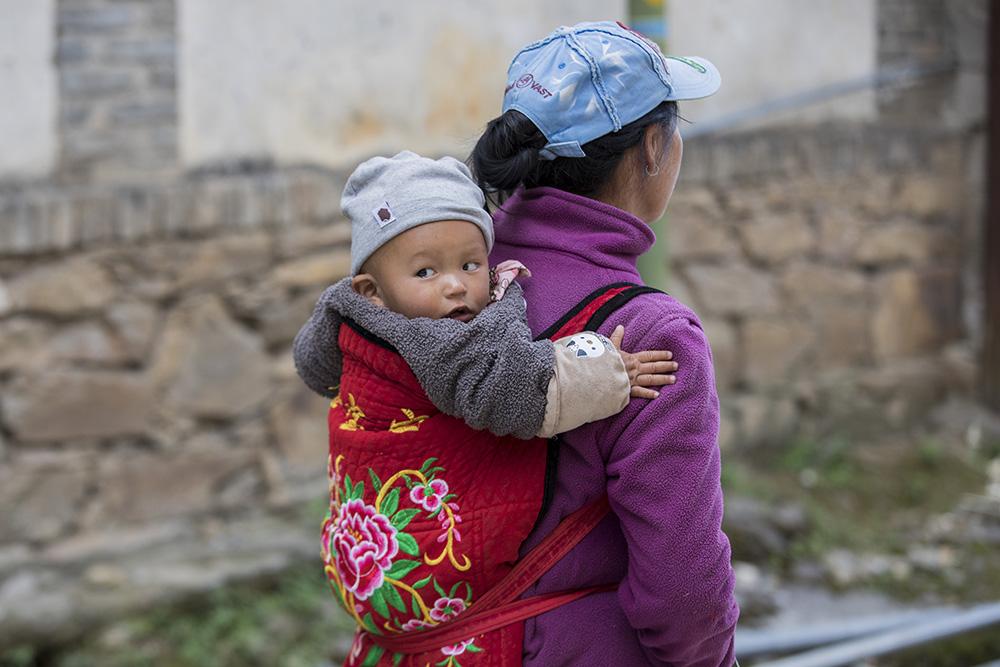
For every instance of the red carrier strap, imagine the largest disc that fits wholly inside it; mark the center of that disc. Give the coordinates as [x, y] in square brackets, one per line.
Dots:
[500, 605]
[593, 309]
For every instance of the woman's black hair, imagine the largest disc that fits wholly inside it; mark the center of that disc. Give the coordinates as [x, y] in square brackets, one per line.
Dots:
[506, 156]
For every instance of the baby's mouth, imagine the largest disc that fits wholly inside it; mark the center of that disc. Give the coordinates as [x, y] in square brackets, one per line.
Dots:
[462, 314]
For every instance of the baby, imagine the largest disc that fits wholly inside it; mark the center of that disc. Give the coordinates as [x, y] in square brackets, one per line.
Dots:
[432, 370]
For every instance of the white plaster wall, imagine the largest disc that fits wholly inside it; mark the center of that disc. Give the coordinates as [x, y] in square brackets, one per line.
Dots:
[28, 88]
[768, 49]
[332, 81]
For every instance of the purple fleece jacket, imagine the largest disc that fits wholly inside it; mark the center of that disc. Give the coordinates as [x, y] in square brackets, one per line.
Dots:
[658, 460]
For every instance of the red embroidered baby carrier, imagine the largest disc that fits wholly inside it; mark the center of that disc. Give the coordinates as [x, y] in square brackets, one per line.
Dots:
[427, 515]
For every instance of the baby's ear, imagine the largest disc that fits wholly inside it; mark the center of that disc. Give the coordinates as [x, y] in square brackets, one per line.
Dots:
[365, 285]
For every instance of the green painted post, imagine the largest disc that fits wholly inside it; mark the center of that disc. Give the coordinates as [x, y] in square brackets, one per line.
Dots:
[650, 18]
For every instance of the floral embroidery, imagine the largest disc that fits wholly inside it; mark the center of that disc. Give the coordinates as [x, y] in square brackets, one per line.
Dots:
[411, 423]
[370, 558]
[445, 608]
[455, 649]
[429, 495]
[364, 544]
[353, 411]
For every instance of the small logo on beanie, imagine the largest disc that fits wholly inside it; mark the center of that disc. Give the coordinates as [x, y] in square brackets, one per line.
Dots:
[383, 214]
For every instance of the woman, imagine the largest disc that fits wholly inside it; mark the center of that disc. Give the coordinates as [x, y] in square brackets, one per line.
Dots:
[584, 157]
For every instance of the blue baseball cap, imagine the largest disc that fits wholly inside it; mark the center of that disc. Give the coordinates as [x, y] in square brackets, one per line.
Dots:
[585, 81]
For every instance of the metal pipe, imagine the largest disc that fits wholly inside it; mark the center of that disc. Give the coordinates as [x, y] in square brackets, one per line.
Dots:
[894, 640]
[753, 642]
[903, 75]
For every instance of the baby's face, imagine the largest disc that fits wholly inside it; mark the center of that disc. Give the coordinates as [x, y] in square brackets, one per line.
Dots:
[438, 269]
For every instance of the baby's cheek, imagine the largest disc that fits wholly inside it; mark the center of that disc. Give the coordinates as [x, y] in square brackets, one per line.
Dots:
[480, 292]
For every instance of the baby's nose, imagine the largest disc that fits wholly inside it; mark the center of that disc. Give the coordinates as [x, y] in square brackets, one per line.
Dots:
[454, 285]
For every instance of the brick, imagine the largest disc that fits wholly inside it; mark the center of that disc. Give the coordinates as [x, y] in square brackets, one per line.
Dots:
[146, 113]
[70, 51]
[146, 51]
[109, 19]
[74, 115]
[93, 83]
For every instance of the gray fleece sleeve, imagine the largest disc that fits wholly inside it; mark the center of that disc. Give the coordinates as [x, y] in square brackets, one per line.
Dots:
[487, 372]
[316, 350]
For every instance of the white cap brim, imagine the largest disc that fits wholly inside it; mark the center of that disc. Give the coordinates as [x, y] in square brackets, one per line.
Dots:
[691, 78]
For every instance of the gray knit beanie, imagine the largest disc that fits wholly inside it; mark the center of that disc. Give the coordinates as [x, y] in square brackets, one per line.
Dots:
[384, 197]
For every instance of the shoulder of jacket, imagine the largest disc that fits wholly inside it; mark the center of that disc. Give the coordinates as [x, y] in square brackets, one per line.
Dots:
[658, 310]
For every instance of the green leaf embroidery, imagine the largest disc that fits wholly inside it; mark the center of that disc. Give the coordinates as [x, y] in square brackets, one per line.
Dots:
[427, 464]
[378, 602]
[423, 582]
[369, 624]
[415, 607]
[401, 568]
[439, 590]
[348, 489]
[472, 648]
[376, 482]
[396, 659]
[392, 596]
[403, 518]
[359, 490]
[454, 588]
[407, 544]
[374, 654]
[390, 504]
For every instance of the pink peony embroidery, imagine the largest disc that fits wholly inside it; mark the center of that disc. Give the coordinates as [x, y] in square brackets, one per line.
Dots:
[445, 608]
[430, 496]
[363, 543]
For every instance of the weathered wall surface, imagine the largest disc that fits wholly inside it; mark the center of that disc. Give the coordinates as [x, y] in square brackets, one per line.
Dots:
[773, 49]
[154, 439]
[27, 75]
[353, 78]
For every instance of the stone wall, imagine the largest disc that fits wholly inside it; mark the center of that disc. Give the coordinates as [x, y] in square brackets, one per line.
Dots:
[154, 438]
[827, 265]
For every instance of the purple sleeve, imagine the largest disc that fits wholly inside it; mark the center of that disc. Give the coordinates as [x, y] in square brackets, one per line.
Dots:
[664, 485]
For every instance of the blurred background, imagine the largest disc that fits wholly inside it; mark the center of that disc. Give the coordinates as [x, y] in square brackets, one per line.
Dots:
[170, 175]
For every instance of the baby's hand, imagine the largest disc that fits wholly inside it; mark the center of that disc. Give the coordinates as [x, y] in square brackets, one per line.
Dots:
[649, 368]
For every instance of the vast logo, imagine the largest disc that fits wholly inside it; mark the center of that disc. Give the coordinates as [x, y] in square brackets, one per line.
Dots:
[528, 81]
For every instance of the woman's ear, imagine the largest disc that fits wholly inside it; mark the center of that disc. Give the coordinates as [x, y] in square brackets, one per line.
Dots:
[653, 145]
[366, 285]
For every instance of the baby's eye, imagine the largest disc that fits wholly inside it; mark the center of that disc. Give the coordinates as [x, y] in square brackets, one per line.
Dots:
[470, 266]
[425, 273]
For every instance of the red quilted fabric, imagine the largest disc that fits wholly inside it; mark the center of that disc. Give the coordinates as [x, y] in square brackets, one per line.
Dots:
[426, 514]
